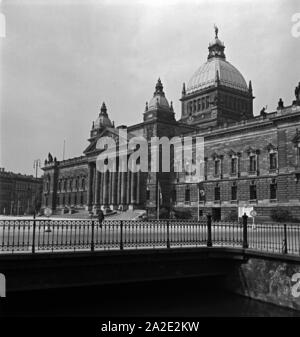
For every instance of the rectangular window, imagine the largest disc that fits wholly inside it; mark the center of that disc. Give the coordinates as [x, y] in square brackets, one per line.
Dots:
[273, 161]
[187, 195]
[201, 194]
[217, 167]
[205, 168]
[203, 103]
[298, 154]
[199, 105]
[234, 192]
[273, 190]
[147, 195]
[207, 102]
[174, 195]
[253, 195]
[217, 193]
[252, 167]
[233, 165]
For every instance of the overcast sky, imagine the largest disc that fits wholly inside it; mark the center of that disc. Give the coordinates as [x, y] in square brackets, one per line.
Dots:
[61, 59]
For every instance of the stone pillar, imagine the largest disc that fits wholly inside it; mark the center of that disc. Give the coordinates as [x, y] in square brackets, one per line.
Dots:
[101, 188]
[89, 186]
[114, 188]
[106, 188]
[133, 188]
[119, 185]
[138, 187]
[96, 192]
[123, 187]
[128, 199]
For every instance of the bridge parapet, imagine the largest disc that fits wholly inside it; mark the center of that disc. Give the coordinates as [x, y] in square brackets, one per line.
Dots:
[51, 235]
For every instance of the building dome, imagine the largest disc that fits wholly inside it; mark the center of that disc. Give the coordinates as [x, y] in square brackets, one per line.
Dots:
[214, 68]
[159, 100]
[103, 119]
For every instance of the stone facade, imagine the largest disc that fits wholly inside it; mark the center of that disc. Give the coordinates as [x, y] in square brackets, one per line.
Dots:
[19, 193]
[249, 161]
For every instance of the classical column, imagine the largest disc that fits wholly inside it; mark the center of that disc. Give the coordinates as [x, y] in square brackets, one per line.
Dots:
[113, 188]
[119, 185]
[128, 199]
[138, 187]
[106, 188]
[89, 186]
[97, 188]
[133, 187]
[101, 188]
[123, 187]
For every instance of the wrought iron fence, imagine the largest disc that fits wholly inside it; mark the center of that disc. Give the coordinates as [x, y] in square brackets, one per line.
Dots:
[25, 236]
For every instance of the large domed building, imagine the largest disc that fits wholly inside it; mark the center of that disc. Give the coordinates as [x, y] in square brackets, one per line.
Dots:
[249, 161]
[217, 92]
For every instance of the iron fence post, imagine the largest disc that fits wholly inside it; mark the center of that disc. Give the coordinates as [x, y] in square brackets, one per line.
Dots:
[33, 235]
[92, 238]
[285, 247]
[121, 234]
[209, 240]
[245, 234]
[168, 234]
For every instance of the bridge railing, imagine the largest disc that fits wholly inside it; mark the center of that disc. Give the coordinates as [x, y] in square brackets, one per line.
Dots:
[25, 236]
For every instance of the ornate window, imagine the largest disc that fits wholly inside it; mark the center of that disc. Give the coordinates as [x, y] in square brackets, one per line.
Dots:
[253, 161]
[233, 165]
[147, 194]
[273, 161]
[234, 162]
[217, 165]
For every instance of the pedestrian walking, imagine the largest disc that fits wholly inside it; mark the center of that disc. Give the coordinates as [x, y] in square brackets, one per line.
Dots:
[100, 217]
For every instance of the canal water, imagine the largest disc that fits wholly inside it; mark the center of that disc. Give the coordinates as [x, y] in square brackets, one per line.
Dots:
[187, 298]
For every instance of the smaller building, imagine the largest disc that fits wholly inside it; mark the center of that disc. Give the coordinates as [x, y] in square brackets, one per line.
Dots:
[19, 193]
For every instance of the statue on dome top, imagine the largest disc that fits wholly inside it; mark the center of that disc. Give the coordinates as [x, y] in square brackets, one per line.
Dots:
[216, 31]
